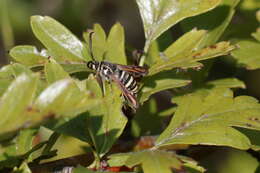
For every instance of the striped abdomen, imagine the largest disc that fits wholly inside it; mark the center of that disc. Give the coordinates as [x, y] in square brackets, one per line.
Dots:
[128, 81]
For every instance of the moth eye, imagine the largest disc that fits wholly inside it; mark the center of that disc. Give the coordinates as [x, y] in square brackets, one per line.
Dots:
[90, 65]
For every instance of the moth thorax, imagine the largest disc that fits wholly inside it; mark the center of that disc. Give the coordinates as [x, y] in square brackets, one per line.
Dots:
[106, 70]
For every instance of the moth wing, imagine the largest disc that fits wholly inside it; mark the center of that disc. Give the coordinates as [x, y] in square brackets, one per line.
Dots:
[128, 95]
[136, 71]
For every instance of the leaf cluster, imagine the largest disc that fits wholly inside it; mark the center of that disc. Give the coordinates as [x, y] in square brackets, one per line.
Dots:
[43, 91]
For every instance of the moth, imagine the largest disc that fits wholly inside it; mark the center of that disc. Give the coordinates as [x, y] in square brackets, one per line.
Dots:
[125, 76]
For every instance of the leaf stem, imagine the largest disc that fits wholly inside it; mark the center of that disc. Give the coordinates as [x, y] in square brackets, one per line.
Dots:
[97, 162]
[146, 48]
[52, 140]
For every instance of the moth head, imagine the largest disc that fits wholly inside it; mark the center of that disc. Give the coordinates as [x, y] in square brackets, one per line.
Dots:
[93, 65]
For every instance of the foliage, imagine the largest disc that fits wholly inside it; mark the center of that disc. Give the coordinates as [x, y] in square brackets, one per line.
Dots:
[248, 54]
[49, 96]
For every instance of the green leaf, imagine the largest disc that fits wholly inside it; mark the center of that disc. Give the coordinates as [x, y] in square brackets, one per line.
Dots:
[187, 60]
[248, 54]
[102, 124]
[71, 126]
[185, 44]
[4, 83]
[209, 120]
[152, 161]
[15, 102]
[20, 150]
[24, 142]
[59, 41]
[64, 98]
[232, 161]
[29, 55]
[116, 45]
[17, 150]
[160, 15]
[227, 83]
[159, 82]
[12, 71]
[182, 51]
[8, 157]
[93, 85]
[54, 71]
[219, 49]
[8, 73]
[217, 21]
[111, 49]
[74, 67]
[68, 102]
[167, 112]
[64, 144]
[106, 121]
[153, 53]
[118, 159]
[189, 163]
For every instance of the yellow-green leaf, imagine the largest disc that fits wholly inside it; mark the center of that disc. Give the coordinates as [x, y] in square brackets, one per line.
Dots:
[59, 41]
[185, 44]
[15, 102]
[159, 82]
[160, 15]
[217, 21]
[188, 60]
[209, 119]
[99, 42]
[232, 161]
[64, 98]
[248, 54]
[227, 83]
[106, 121]
[29, 55]
[116, 45]
[152, 161]
[54, 71]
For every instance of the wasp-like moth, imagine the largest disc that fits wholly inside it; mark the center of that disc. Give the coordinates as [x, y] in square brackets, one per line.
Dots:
[125, 76]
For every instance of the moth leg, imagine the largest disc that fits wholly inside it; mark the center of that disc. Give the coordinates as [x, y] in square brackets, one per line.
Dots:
[103, 86]
[110, 86]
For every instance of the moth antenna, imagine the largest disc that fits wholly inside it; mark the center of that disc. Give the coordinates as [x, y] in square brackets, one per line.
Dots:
[90, 45]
